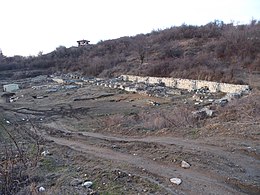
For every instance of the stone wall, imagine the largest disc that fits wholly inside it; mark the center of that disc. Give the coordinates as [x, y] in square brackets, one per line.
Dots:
[189, 84]
[58, 80]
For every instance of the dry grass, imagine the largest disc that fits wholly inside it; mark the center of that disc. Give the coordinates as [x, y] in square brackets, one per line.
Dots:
[240, 118]
[180, 116]
[246, 109]
[20, 155]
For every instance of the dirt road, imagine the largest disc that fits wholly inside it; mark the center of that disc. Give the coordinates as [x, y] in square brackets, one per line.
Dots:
[91, 133]
[215, 169]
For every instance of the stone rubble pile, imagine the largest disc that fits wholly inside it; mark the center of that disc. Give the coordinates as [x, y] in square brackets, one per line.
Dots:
[203, 97]
[155, 90]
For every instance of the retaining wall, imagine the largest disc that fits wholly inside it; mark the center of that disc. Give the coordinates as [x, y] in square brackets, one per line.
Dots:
[58, 80]
[189, 84]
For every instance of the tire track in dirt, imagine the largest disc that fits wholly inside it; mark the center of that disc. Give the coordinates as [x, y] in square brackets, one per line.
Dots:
[194, 182]
[249, 163]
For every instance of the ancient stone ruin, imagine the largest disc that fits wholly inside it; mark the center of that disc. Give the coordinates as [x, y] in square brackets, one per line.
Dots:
[189, 84]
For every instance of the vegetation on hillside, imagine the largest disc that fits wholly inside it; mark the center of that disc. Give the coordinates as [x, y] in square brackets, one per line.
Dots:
[215, 51]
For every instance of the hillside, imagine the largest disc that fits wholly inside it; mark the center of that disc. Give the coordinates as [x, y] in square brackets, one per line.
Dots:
[216, 51]
[58, 138]
[74, 134]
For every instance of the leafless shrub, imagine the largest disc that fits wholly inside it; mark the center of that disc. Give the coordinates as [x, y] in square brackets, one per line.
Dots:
[17, 159]
[177, 117]
[154, 120]
[246, 109]
[114, 120]
[212, 51]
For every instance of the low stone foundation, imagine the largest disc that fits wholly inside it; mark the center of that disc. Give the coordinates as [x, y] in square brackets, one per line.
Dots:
[189, 84]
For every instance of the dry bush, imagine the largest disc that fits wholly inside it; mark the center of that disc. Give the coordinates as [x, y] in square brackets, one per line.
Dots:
[122, 121]
[114, 120]
[178, 117]
[19, 156]
[244, 110]
[176, 51]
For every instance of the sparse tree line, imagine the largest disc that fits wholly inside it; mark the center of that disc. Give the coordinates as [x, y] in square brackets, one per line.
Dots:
[215, 51]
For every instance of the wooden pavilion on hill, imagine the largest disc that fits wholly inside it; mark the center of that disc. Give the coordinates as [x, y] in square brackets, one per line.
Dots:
[82, 42]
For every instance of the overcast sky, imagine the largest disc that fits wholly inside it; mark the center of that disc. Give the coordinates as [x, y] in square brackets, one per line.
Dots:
[30, 26]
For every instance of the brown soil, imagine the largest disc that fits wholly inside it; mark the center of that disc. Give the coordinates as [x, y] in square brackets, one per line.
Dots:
[124, 160]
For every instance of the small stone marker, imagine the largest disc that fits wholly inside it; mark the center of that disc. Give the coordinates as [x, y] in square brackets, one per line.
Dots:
[41, 189]
[176, 180]
[185, 165]
[87, 184]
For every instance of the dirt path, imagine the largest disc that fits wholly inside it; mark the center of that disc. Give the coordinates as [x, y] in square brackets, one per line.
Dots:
[201, 178]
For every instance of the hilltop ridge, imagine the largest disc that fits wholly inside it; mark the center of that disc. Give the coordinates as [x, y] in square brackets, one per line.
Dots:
[215, 52]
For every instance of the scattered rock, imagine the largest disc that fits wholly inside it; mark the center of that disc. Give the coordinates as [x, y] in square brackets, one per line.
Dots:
[153, 103]
[208, 111]
[45, 153]
[202, 90]
[76, 182]
[13, 99]
[115, 147]
[87, 184]
[176, 180]
[232, 96]
[204, 112]
[197, 97]
[39, 97]
[185, 165]
[222, 101]
[41, 189]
